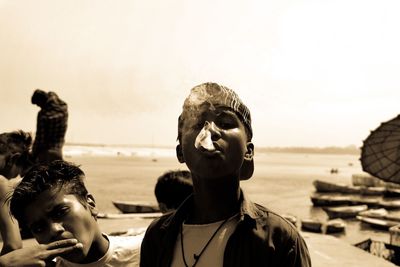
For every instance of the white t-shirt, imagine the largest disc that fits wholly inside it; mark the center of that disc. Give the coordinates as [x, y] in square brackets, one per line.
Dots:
[196, 236]
[122, 251]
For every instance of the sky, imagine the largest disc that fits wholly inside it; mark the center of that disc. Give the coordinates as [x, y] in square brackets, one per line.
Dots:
[313, 73]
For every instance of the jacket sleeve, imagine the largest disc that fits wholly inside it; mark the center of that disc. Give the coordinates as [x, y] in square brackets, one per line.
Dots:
[146, 260]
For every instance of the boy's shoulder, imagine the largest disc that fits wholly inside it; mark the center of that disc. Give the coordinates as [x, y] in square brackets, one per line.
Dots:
[161, 222]
[127, 241]
[274, 222]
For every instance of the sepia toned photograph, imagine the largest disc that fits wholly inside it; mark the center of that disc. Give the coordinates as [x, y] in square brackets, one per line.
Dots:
[199, 133]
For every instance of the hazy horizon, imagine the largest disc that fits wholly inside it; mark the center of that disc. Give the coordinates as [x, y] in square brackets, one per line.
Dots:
[262, 148]
[313, 73]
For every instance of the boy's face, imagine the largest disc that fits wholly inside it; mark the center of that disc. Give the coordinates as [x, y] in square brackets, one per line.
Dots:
[214, 141]
[55, 215]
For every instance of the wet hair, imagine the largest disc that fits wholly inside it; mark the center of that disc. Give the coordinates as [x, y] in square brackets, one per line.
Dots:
[16, 141]
[173, 187]
[57, 175]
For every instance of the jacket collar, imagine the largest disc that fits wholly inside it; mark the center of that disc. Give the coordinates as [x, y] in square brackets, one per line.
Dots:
[248, 211]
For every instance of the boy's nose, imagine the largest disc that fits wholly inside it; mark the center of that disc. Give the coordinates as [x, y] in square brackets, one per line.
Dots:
[56, 230]
[207, 135]
[213, 129]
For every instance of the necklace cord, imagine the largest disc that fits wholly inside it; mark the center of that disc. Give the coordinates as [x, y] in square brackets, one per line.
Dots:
[197, 257]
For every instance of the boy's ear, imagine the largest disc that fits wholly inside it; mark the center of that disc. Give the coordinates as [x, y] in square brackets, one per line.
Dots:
[248, 163]
[179, 154]
[92, 205]
[250, 151]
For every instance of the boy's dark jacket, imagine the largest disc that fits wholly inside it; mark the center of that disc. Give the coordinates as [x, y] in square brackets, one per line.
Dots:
[261, 238]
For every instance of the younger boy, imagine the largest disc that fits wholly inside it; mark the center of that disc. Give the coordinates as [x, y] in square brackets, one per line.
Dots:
[54, 203]
[172, 188]
[219, 225]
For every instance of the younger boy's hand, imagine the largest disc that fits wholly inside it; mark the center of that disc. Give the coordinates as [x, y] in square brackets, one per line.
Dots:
[38, 255]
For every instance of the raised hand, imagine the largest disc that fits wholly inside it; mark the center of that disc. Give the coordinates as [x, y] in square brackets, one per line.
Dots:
[38, 255]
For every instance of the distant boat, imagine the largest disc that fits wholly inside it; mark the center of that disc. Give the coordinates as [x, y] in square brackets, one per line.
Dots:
[367, 180]
[381, 249]
[327, 187]
[329, 200]
[373, 190]
[345, 211]
[371, 202]
[333, 170]
[392, 193]
[381, 213]
[377, 223]
[334, 199]
[136, 207]
[311, 225]
[389, 204]
[335, 226]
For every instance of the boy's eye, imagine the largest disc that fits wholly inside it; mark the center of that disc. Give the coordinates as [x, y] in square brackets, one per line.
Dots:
[37, 228]
[225, 125]
[59, 213]
[196, 125]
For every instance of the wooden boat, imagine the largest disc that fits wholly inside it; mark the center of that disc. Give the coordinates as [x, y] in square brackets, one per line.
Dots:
[345, 211]
[311, 225]
[335, 226]
[373, 191]
[372, 202]
[389, 204]
[392, 193]
[329, 200]
[381, 213]
[327, 187]
[374, 213]
[377, 223]
[136, 207]
[381, 249]
[367, 180]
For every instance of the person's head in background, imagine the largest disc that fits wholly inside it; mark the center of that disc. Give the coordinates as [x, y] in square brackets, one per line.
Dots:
[172, 188]
[15, 157]
[39, 97]
[53, 202]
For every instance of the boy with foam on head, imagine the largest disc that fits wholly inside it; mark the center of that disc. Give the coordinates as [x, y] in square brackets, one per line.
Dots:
[54, 203]
[218, 225]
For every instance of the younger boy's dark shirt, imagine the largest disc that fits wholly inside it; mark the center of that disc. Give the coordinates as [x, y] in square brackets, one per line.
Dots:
[262, 238]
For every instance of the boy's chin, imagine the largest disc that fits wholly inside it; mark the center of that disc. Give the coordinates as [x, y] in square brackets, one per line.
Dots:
[75, 256]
